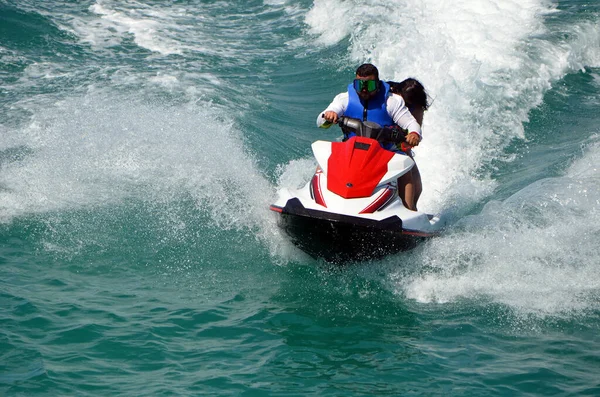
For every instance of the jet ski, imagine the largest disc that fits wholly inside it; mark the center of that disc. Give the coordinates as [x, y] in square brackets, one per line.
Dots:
[350, 209]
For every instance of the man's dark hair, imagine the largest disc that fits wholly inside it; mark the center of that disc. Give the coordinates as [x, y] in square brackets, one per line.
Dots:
[367, 69]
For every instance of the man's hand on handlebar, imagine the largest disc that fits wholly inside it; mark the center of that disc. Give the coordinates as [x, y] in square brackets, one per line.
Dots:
[331, 116]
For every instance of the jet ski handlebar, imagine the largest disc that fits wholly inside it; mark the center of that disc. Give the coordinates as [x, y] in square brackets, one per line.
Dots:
[372, 130]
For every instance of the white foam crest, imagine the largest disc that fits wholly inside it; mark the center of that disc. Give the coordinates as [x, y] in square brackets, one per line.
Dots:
[100, 151]
[330, 20]
[296, 173]
[584, 49]
[144, 23]
[204, 28]
[588, 165]
[536, 252]
[486, 64]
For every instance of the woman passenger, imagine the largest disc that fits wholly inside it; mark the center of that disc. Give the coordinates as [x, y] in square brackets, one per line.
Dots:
[415, 97]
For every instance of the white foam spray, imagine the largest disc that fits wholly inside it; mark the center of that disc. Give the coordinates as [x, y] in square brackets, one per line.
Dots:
[141, 22]
[536, 252]
[201, 29]
[101, 151]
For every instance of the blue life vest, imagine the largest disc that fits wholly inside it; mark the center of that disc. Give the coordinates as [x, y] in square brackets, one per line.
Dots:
[375, 111]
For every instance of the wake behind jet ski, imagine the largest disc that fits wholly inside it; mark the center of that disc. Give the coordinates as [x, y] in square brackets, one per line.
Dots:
[350, 210]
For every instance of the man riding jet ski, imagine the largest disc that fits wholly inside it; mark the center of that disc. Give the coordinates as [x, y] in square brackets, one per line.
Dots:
[351, 209]
[369, 99]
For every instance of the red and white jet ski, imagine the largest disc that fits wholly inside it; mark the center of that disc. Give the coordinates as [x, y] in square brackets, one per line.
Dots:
[350, 210]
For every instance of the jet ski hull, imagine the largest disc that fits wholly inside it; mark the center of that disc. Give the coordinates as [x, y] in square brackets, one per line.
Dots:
[341, 238]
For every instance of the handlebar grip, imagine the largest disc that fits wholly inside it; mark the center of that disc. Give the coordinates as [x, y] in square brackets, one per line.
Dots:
[326, 124]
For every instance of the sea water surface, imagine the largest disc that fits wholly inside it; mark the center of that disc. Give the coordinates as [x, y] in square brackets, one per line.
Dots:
[141, 143]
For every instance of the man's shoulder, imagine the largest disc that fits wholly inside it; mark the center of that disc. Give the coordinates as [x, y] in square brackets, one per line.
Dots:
[342, 95]
[341, 98]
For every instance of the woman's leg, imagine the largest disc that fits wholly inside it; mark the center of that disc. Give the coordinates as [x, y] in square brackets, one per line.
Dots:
[418, 186]
[406, 190]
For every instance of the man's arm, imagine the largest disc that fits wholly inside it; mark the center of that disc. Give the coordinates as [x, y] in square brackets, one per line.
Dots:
[334, 110]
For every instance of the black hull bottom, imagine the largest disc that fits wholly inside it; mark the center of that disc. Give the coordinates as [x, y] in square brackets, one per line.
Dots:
[340, 238]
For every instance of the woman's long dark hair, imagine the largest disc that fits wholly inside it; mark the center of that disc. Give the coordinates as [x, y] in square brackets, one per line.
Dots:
[412, 91]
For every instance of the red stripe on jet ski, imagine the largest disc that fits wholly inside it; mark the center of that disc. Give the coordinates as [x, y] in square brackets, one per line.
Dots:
[275, 208]
[379, 201]
[418, 234]
[316, 187]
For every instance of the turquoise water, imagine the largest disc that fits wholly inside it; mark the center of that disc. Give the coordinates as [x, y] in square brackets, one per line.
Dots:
[141, 143]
